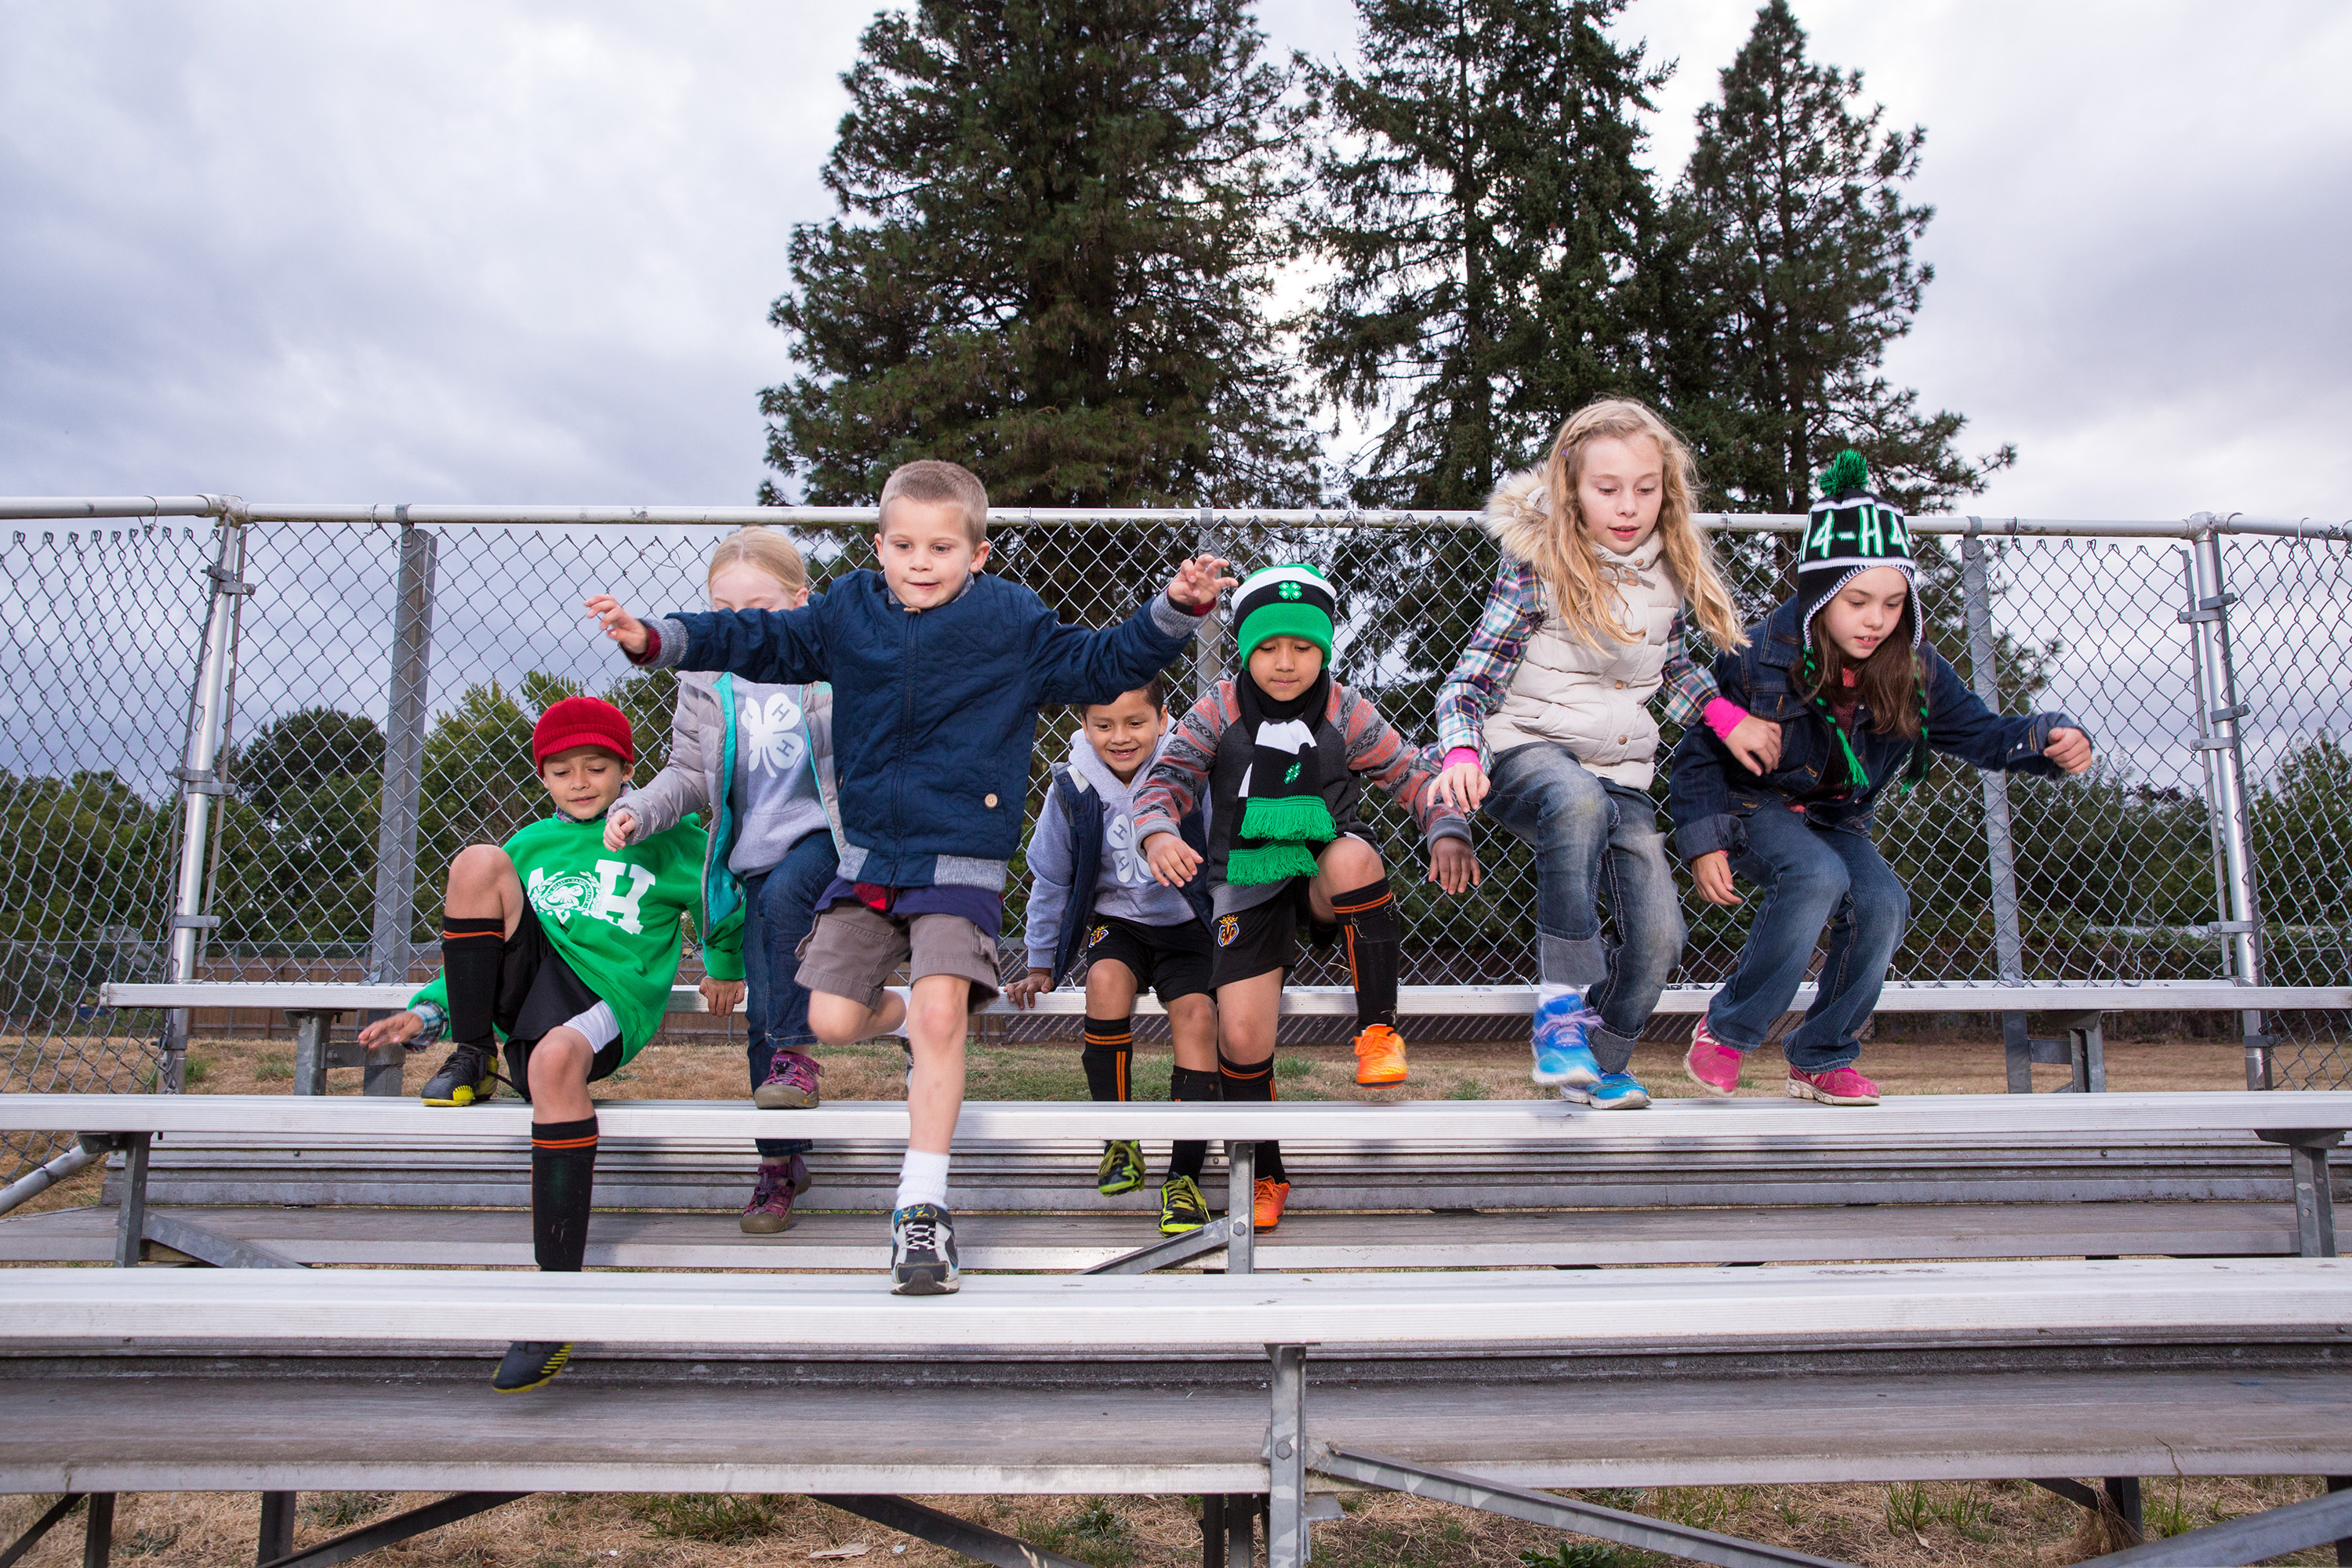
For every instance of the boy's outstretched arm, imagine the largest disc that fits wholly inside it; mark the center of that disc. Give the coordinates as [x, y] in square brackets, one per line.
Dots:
[781, 646]
[1072, 664]
[1175, 784]
[1376, 751]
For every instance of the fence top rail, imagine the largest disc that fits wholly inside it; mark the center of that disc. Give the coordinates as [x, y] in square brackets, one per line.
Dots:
[1413, 1001]
[1758, 1121]
[70, 509]
[50, 1308]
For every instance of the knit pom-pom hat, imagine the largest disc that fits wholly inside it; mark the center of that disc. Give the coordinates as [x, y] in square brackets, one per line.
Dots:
[1849, 532]
[1284, 602]
[582, 722]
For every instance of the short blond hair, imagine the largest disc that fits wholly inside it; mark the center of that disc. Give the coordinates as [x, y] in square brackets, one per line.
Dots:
[763, 550]
[934, 480]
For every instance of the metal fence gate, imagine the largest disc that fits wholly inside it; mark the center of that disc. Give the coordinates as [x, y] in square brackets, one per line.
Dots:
[243, 742]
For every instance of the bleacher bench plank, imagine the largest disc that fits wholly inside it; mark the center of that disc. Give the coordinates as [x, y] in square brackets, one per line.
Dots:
[1413, 1001]
[424, 1170]
[1757, 1120]
[78, 1310]
[493, 1238]
[590, 1432]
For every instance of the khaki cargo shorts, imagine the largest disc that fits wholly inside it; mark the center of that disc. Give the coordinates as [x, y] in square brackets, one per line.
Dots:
[853, 952]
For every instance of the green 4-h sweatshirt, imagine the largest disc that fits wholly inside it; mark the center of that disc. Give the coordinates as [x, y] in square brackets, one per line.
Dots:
[616, 915]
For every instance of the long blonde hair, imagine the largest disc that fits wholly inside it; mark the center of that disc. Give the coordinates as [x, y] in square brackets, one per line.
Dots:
[1563, 555]
[763, 550]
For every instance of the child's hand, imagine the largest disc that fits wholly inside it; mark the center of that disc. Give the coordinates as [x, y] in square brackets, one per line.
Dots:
[1172, 860]
[1712, 873]
[617, 829]
[1024, 993]
[619, 625]
[1454, 865]
[1197, 584]
[722, 996]
[1462, 787]
[2070, 749]
[1756, 742]
[396, 1030]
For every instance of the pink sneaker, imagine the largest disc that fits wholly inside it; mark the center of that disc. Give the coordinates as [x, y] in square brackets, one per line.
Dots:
[792, 1082]
[1711, 1063]
[1839, 1086]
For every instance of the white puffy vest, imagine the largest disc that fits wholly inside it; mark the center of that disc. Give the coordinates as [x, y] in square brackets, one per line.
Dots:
[1595, 700]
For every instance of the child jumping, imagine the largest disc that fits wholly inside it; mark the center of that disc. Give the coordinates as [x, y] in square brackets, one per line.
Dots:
[1092, 891]
[937, 673]
[1861, 702]
[756, 761]
[1550, 708]
[1279, 753]
[568, 950]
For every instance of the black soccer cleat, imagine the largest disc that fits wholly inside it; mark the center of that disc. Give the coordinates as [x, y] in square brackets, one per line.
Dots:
[923, 1252]
[468, 1077]
[530, 1363]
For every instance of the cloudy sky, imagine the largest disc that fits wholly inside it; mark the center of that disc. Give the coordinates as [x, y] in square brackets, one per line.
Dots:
[507, 250]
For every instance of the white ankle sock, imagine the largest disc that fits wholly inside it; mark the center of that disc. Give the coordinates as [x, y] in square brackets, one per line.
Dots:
[1548, 993]
[922, 1178]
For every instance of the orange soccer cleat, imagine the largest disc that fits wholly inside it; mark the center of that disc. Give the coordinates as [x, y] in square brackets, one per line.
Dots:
[1380, 1056]
[1267, 1199]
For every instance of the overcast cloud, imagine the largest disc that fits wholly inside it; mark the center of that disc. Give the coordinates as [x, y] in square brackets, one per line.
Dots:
[515, 251]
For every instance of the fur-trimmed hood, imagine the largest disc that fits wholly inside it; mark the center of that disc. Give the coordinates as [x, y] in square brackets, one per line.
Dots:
[1519, 515]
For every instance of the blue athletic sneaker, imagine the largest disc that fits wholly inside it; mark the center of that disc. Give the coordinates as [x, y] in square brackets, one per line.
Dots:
[1561, 1056]
[1618, 1091]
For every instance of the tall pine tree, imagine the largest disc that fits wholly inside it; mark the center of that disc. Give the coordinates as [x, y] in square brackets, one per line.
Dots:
[1050, 262]
[1484, 213]
[1791, 273]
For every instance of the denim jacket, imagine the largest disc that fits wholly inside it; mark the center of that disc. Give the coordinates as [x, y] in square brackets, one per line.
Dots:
[1710, 795]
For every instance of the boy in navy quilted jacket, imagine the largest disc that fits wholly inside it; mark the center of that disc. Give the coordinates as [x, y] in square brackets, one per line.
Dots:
[937, 673]
[1092, 891]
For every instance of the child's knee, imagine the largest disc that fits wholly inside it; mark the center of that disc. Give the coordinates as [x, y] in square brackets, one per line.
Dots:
[837, 1020]
[1349, 862]
[560, 1061]
[1111, 987]
[480, 866]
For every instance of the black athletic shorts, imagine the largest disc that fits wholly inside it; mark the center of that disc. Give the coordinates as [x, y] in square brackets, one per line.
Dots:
[538, 992]
[1173, 961]
[1266, 936]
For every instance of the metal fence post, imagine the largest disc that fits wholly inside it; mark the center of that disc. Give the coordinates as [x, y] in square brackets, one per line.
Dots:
[1208, 642]
[201, 779]
[2219, 746]
[2001, 850]
[389, 938]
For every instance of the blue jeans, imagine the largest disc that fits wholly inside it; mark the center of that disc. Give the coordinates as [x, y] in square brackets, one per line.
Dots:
[1593, 839]
[779, 907]
[1809, 876]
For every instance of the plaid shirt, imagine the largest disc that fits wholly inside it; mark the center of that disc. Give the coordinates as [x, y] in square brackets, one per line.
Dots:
[1514, 613]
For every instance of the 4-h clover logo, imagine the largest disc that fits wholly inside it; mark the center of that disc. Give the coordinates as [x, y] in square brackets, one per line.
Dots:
[1288, 590]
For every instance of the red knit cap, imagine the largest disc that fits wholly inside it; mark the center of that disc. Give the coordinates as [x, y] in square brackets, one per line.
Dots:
[583, 722]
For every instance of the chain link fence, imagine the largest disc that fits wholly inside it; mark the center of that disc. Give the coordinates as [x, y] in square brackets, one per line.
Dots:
[386, 674]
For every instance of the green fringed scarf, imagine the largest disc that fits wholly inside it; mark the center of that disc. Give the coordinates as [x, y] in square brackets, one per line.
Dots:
[1284, 819]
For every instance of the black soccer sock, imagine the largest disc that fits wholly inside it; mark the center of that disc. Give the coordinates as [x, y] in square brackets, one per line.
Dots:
[1109, 1058]
[471, 950]
[1189, 1155]
[1375, 951]
[1254, 1081]
[563, 1180]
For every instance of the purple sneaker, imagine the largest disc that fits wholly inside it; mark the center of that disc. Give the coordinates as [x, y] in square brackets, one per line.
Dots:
[791, 1083]
[1712, 1065]
[771, 1208]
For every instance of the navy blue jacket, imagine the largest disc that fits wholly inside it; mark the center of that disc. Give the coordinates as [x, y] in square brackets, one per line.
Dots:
[934, 711]
[1710, 793]
[1083, 810]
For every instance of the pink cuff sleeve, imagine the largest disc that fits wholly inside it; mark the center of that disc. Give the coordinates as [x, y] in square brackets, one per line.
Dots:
[1461, 754]
[1723, 716]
